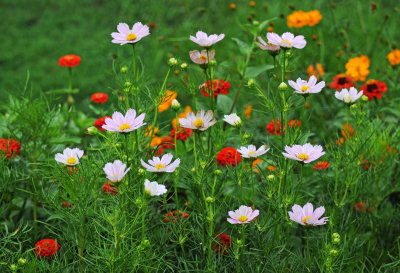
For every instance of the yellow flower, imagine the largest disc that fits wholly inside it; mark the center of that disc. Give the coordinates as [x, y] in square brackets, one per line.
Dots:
[394, 57]
[358, 68]
[167, 100]
[247, 112]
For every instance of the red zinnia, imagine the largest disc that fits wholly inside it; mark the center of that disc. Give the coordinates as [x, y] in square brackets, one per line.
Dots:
[228, 156]
[271, 127]
[108, 188]
[223, 242]
[341, 81]
[46, 248]
[100, 122]
[183, 133]
[373, 88]
[99, 97]
[69, 60]
[10, 147]
[321, 165]
[219, 87]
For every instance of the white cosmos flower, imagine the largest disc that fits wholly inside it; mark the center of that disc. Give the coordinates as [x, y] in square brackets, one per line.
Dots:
[233, 119]
[201, 121]
[127, 36]
[307, 87]
[153, 188]
[124, 124]
[202, 39]
[115, 171]
[161, 165]
[252, 152]
[69, 156]
[348, 96]
[201, 57]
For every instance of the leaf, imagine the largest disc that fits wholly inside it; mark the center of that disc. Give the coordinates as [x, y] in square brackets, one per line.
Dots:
[243, 47]
[224, 104]
[254, 71]
[63, 91]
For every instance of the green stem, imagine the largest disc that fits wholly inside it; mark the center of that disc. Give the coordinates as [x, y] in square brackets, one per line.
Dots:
[81, 244]
[144, 205]
[70, 78]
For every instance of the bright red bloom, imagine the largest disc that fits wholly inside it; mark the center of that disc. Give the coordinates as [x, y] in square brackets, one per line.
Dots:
[294, 123]
[99, 97]
[271, 127]
[373, 89]
[173, 215]
[108, 188]
[341, 81]
[360, 206]
[321, 165]
[100, 122]
[219, 87]
[10, 147]
[223, 243]
[228, 156]
[69, 60]
[167, 142]
[183, 133]
[46, 248]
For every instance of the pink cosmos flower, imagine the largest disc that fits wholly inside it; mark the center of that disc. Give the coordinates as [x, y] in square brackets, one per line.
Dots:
[243, 215]
[201, 57]
[127, 36]
[199, 121]
[252, 152]
[124, 124]
[69, 156]
[161, 165]
[202, 39]
[267, 46]
[307, 87]
[306, 216]
[115, 171]
[287, 40]
[305, 153]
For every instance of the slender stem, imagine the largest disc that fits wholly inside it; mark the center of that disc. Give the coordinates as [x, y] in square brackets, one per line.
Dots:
[70, 78]
[144, 205]
[308, 249]
[81, 244]
[194, 152]
[176, 155]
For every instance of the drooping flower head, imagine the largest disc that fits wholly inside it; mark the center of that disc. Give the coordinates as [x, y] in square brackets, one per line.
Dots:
[288, 40]
[153, 188]
[125, 35]
[115, 171]
[341, 81]
[219, 87]
[124, 124]
[99, 97]
[306, 216]
[348, 96]
[228, 157]
[307, 87]
[304, 153]
[233, 119]
[252, 152]
[243, 215]
[267, 46]
[9, 147]
[161, 164]
[46, 248]
[201, 57]
[69, 60]
[202, 39]
[69, 156]
[199, 121]
[373, 89]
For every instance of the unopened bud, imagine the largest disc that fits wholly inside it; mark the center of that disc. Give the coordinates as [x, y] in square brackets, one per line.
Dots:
[209, 199]
[282, 86]
[251, 83]
[246, 136]
[124, 69]
[13, 267]
[270, 177]
[22, 261]
[333, 252]
[184, 65]
[92, 130]
[127, 84]
[213, 62]
[172, 62]
[364, 98]
[141, 171]
[175, 105]
[217, 172]
[256, 23]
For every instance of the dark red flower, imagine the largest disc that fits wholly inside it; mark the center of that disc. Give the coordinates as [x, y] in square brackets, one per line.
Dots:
[271, 127]
[228, 156]
[373, 89]
[183, 133]
[99, 97]
[341, 81]
[167, 142]
[46, 248]
[321, 165]
[222, 244]
[10, 147]
[100, 122]
[69, 60]
[108, 188]
[219, 87]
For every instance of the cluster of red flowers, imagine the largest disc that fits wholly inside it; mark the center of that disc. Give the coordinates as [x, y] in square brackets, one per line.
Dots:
[173, 215]
[321, 165]
[341, 81]
[69, 60]
[99, 97]
[46, 248]
[100, 122]
[183, 133]
[362, 207]
[108, 188]
[10, 147]
[228, 157]
[275, 126]
[222, 244]
[219, 87]
[373, 89]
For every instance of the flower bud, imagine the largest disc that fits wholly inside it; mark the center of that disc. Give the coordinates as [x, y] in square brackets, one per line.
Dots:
[283, 86]
[175, 105]
[251, 83]
[92, 130]
[127, 84]
[256, 23]
[246, 136]
[184, 65]
[124, 69]
[333, 252]
[217, 172]
[209, 199]
[336, 241]
[172, 62]
[213, 62]
[193, 170]
[22, 261]
[270, 177]
[141, 171]
[13, 267]
[364, 98]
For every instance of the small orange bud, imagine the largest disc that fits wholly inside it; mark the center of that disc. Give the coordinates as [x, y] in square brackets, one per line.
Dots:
[306, 105]
[314, 37]
[232, 6]
[252, 3]
[270, 29]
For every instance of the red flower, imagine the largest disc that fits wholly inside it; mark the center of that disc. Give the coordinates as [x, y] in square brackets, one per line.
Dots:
[10, 147]
[294, 123]
[373, 88]
[65, 204]
[46, 248]
[108, 188]
[100, 122]
[362, 207]
[219, 87]
[228, 156]
[69, 60]
[183, 133]
[223, 243]
[99, 97]
[341, 81]
[167, 142]
[173, 215]
[271, 127]
[321, 165]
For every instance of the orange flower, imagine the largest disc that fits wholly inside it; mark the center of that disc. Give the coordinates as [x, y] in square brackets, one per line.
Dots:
[254, 165]
[69, 60]
[299, 18]
[252, 3]
[247, 112]
[394, 57]
[358, 68]
[232, 6]
[318, 73]
[348, 131]
[155, 141]
[314, 17]
[148, 131]
[188, 109]
[272, 168]
[167, 100]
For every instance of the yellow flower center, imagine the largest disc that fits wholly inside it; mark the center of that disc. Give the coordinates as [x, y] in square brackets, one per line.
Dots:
[204, 58]
[305, 219]
[71, 160]
[252, 152]
[198, 123]
[305, 88]
[159, 166]
[243, 218]
[348, 97]
[131, 37]
[302, 156]
[124, 126]
[286, 41]
[147, 191]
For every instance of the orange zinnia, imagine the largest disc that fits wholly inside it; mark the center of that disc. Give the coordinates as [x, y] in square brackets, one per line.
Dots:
[394, 57]
[358, 68]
